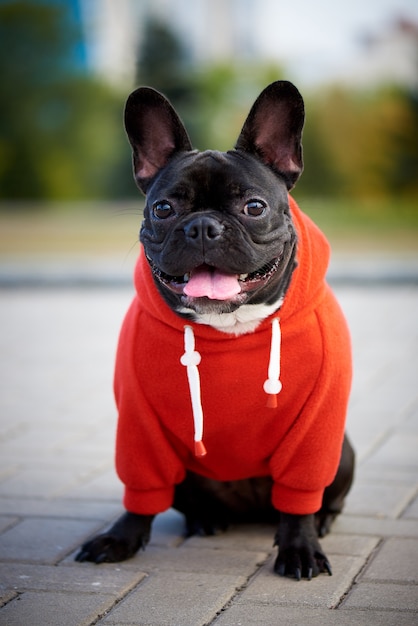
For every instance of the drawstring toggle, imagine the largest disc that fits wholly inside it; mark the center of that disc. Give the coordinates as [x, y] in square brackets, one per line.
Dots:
[272, 386]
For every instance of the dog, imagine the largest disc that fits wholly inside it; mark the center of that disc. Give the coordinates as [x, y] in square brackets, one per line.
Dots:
[233, 369]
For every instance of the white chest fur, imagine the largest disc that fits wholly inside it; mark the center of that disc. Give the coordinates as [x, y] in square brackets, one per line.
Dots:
[244, 320]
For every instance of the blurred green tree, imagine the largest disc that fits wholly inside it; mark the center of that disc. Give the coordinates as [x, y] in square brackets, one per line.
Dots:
[403, 176]
[163, 63]
[60, 131]
[212, 100]
[320, 176]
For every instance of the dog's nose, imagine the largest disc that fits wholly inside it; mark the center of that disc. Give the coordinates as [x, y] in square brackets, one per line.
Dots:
[203, 229]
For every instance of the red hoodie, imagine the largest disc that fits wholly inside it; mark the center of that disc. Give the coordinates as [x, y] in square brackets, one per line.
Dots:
[298, 443]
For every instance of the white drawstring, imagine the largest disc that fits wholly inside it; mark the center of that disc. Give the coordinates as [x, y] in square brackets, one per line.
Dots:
[272, 386]
[191, 359]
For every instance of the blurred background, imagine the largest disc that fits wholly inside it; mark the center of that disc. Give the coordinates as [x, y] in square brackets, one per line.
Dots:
[67, 66]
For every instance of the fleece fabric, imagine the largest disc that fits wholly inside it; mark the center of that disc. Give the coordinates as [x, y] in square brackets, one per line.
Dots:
[298, 443]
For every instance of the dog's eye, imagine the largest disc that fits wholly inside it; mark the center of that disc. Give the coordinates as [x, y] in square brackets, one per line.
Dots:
[162, 210]
[254, 208]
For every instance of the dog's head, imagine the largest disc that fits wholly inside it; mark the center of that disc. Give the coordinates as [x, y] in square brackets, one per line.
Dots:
[217, 230]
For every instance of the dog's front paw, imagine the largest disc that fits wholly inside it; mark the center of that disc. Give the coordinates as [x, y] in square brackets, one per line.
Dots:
[300, 553]
[105, 548]
[130, 533]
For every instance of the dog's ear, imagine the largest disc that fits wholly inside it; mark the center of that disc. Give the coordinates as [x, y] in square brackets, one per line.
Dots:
[273, 130]
[155, 133]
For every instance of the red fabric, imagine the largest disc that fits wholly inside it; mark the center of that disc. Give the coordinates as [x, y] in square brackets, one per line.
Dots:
[298, 443]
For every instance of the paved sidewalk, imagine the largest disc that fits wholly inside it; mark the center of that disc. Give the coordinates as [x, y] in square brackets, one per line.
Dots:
[57, 483]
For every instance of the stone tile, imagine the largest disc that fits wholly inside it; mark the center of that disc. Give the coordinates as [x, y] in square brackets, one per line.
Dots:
[267, 615]
[83, 578]
[378, 500]
[43, 540]
[258, 537]
[181, 599]
[399, 450]
[396, 560]
[51, 609]
[188, 559]
[387, 474]
[39, 483]
[410, 426]
[104, 485]
[323, 591]
[351, 545]
[59, 507]
[80, 463]
[44, 435]
[7, 522]
[387, 596]
[356, 525]
[5, 597]
[412, 510]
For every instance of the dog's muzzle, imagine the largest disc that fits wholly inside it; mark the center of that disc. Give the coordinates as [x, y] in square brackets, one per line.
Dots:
[206, 281]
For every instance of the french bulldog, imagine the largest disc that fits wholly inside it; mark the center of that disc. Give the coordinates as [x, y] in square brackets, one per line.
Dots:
[234, 368]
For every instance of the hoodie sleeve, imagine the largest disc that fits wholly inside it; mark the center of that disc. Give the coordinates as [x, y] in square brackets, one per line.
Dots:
[145, 460]
[309, 455]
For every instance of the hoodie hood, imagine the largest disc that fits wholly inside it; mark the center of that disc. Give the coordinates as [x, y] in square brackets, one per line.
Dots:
[306, 287]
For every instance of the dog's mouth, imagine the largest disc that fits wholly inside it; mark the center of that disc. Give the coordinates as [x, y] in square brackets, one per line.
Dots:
[206, 281]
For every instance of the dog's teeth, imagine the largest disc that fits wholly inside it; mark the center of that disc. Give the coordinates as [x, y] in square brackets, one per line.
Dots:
[243, 276]
[186, 278]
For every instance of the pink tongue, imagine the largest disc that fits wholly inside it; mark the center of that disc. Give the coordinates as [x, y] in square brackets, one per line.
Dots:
[213, 284]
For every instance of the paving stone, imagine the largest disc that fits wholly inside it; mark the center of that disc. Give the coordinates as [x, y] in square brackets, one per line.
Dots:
[43, 540]
[324, 591]
[44, 435]
[72, 457]
[383, 596]
[396, 560]
[258, 537]
[399, 450]
[7, 522]
[410, 426]
[104, 486]
[38, 483]
[351, 545]
[5, 597]
[59, 507]
[389, 475]
[356, 525]
[268, 615]
[88, 578]
[51, 609]
[378, 500]
[179, 599]
[188, 559]
[412, 510]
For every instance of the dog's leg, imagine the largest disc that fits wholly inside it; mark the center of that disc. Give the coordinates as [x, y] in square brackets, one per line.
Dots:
[127, 535]
[334, 495]
[211, 505]
[198, 499]
[300, 553]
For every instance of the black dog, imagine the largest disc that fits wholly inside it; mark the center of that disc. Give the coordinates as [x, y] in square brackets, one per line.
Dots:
[231, 264]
